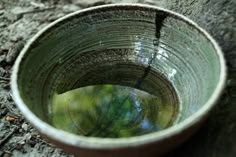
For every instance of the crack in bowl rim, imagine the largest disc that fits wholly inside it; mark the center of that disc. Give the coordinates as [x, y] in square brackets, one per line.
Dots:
[112, 143]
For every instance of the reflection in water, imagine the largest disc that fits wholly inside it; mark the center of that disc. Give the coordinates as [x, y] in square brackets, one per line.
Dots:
[111, 111]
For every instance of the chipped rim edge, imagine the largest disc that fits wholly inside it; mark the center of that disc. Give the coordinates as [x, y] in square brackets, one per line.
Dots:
[112, 143]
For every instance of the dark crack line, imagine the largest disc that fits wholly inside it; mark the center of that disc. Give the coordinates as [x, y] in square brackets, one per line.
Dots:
[160, 17]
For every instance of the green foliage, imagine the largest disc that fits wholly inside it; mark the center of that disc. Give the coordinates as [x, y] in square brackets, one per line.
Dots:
[109, 111]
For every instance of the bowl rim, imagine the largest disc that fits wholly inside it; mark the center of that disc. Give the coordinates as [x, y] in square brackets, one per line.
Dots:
[112, 143]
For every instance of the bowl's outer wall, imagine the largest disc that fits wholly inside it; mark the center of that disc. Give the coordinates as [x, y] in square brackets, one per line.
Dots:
[155, 149]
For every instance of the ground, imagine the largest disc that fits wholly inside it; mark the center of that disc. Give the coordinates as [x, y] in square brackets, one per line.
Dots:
[21, 19]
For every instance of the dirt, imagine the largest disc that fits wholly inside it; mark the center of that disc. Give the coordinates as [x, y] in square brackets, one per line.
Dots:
[21, 19]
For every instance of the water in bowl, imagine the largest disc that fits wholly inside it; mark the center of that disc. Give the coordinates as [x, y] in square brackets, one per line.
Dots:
[114, 111]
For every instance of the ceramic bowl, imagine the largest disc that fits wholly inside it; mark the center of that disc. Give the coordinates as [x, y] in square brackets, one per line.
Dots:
[58, 58]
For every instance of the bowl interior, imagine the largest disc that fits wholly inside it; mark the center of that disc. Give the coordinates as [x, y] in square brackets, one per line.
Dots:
[101, 46]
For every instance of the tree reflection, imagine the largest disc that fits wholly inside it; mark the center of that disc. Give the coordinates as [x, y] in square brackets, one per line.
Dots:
[110, 111]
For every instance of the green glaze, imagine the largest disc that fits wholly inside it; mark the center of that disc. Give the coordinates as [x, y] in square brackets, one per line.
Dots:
[62, 57]
[143, 47]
